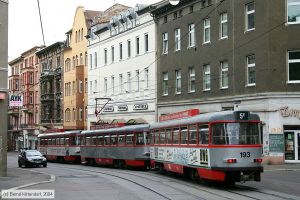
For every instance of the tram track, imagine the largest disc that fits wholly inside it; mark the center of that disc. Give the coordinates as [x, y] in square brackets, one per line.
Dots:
[215, 193]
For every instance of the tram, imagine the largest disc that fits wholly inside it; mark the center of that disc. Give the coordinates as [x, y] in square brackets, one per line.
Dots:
[222, 146]
[60, 146]
[118, 147]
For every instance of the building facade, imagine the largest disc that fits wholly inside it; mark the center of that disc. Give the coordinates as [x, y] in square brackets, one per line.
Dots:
[234, 55]
[122, 69]
[75, 70]
[24, 82]
[51, 86]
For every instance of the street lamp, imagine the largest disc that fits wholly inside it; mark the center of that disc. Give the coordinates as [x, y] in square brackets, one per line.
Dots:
[174, 2]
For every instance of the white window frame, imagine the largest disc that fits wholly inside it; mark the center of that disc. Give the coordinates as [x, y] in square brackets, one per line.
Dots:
[206, 77]
[105, 86]
[192, 39]
[146, 38]
[95, 86]
[112, 54]
[192, 80]
[206, 30]
[165, 89]
[80, 86]
[91, 87]
[105, 56]
[128, 48]
[95, 59]
[249, 66]
[292, 61]
[293, 3]
[112, 85]
[178, 85]
[247, 13]
[121, 51]
[128, 82]
[165, 43]
[177, 39]
[137, 72]
[223, 72]
[121, 83]
[137, 45]
[91, 61]
[223, 23]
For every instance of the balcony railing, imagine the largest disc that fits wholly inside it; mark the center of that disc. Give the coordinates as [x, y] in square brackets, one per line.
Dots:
[48, 97]
[47, 73]
[57, 72]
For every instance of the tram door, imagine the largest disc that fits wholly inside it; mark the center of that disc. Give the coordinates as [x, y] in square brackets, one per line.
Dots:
[292, 146]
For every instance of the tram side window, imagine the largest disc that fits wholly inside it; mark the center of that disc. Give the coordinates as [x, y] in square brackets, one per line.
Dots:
[93, 140]
[184, 135]
[176, 135]
[72, 140]
[121, 139]
[62, 141]
[88, 141]
[106, 140]
[156, 136]
[82, 140]
[49, 141]
[67, 141]
[203, 134]
[129, 139]
[100, 140]
[168, 136]
[218, 134]
[139, 138]
[113, 139]
[152, 138]
[193, 134]
[53, 141]
[162, 136]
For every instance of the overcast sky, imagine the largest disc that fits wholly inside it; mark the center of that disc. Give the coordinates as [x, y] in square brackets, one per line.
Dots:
[57, 16]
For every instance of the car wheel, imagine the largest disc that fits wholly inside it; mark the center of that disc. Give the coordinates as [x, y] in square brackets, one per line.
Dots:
[45, 165]
[19, 164]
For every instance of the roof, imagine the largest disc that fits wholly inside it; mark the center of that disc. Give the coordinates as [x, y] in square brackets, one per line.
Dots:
[133, 128]
[59, 133]
[49, 48]
[162, 7]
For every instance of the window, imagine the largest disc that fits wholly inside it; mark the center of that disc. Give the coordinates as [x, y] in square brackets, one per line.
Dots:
[77, 61]
[74, 62]
[178, 81]
[177, 39]
[191, 35]
[192, 134]
[165, 43]
[112, 54]
[86, 59]
[80, 86]
[162, 136]
[112, 85]
[31, 98]
[175, 135]
[137, 80]
[203, 134]
[81, 59]
[206, 31]
[80, 114]
[168, 136]
[58, 61]
[95, 58]
[91, 61]
[128, 82]
[146, 42]
[250, 70]
[86, 86]
[165, 84]
[31, 78]
[121, 51]
[206, 77]
[95, 85]
[184, 135]
[250, 17]
[121, 83]
[91, 87]
[128, 48]
[224, 74]
[293, 11]
[294, 66]
[146, 70]
[137, 42]
[105, 56]
[105, 86]
[192, 80]
[191, 9]
[223, 26]
[17, 85]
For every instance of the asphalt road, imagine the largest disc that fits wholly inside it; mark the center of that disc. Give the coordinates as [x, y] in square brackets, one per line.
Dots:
[79, 182]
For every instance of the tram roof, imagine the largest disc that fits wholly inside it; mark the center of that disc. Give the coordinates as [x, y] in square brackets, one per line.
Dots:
[140, 127]
[59, 133]
[203, 118]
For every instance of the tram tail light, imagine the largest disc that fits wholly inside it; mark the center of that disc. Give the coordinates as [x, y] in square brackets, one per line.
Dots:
[258, 160]
[231, 160]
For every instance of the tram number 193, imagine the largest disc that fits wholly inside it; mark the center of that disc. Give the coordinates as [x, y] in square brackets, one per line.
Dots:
[245, 154]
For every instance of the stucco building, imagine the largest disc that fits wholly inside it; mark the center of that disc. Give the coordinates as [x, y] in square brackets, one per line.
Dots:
[122, 68]
[75, 70]
[224, 55]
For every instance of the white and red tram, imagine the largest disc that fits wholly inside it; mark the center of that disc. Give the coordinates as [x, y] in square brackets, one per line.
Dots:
[123, 146]
[223, 146]
[60, 146]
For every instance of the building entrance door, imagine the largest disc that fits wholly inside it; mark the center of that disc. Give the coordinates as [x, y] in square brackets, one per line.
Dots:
[292, 146]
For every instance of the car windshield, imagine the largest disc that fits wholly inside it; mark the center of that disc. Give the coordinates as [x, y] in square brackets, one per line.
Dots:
[236, 133]
[33, 153]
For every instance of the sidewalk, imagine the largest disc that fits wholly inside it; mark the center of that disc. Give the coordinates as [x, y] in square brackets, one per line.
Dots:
[285, 166]
[19, 176]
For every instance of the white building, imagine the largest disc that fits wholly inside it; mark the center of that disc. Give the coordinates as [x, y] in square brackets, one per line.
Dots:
[122, 67]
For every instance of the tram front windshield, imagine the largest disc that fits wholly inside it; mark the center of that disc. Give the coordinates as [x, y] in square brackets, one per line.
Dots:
[236, 133]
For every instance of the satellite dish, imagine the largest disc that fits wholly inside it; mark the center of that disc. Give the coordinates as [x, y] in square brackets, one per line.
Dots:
[174, 2]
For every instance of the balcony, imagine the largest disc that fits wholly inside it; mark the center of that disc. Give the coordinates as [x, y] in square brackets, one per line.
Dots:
[57, 73]
[48, 97]
[13, 111]
[27, 126]
[47, 74]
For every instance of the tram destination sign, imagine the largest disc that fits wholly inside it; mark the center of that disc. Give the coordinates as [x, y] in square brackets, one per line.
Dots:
[241, 115]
